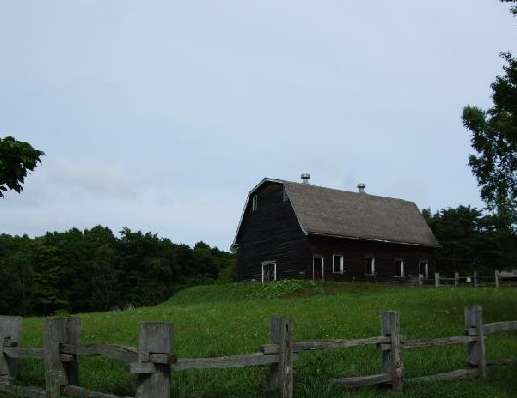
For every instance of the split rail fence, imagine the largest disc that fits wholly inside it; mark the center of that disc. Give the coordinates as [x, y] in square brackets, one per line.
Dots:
[473, 280]
[154, 359]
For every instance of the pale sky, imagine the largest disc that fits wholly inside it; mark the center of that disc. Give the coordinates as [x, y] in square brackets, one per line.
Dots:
[162, 115]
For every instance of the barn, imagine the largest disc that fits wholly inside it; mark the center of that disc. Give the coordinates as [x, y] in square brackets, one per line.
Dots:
[299, 230]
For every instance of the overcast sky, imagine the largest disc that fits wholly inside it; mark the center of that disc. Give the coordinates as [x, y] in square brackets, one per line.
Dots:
[161, 115]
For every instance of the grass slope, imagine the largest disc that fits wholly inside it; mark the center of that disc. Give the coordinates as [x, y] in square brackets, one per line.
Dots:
[234, 319]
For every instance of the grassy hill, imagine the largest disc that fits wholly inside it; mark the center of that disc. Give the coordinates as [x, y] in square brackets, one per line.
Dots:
[235, 319]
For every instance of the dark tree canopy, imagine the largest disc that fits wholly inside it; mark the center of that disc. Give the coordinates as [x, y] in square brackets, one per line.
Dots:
[471, 241]
[94, 270]
[494, 138]
[16, 159]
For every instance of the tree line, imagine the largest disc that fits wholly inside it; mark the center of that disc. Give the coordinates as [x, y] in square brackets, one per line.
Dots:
[95, 270]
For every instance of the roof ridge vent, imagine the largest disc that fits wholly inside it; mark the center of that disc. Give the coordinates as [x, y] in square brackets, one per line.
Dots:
[305, 178]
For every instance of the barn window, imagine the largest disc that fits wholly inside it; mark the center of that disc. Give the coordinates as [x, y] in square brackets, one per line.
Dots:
[338, 264]
[399, 267]
[423, 268]
[268, 271]
[254, 203]
[370, 266]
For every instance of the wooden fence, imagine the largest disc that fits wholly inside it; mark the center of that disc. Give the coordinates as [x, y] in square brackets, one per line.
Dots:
[473, 280]
[154, 359]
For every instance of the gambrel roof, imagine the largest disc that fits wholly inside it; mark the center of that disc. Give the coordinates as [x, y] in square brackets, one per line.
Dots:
[354, 215]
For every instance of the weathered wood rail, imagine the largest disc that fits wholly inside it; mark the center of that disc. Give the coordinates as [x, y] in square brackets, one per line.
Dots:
[473, 280]
[152, 362]
[154, 359]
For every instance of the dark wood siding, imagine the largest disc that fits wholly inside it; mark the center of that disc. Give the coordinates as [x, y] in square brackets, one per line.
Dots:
[272, 233]
[355, 253]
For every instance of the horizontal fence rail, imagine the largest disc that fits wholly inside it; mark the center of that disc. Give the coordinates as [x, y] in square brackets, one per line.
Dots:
[454, 375]
[491, 328]
[154, 359]
[326, 344]
[438, 342]
[473, 280]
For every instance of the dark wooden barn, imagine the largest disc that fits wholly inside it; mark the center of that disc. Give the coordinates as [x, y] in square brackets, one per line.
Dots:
[299, 230]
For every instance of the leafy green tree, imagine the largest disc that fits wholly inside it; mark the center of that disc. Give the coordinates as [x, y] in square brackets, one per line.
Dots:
[16, 275]
[494, 138]
[103, 271]
[16, 159]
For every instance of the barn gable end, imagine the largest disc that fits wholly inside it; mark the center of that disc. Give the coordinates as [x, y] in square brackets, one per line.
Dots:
[270, 232]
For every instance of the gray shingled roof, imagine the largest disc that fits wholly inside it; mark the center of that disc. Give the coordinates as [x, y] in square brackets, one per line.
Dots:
[326, 211]
[332, 212]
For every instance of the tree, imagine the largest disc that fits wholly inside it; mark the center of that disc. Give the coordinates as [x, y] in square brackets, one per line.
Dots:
[494, 138]
[513, 8]
[16, 159]
[471, 241]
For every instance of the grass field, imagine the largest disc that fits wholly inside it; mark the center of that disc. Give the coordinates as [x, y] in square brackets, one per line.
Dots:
[235, 319]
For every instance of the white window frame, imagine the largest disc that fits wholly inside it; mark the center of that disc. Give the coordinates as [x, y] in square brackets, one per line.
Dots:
[371, 265]
[341, 268]
[401, 272]
[254, 203]
[267, 263]
[315, 256]
[424, 261]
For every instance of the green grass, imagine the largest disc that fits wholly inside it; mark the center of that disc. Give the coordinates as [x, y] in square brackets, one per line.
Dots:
[235, 319]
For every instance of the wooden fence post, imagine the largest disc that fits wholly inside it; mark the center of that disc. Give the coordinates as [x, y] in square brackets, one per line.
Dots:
[10, 336]
[496, 274]
[154, 379]
[476, 349]
[456, 279]
[281, 375]
[476, 283]
[391, 359]
[60, 373]
[436, 279]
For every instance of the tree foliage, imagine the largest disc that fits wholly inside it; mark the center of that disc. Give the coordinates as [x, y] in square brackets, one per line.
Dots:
[471, 241]
[94, 270]
[513, 9]
[494, 138]
[16, 159]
